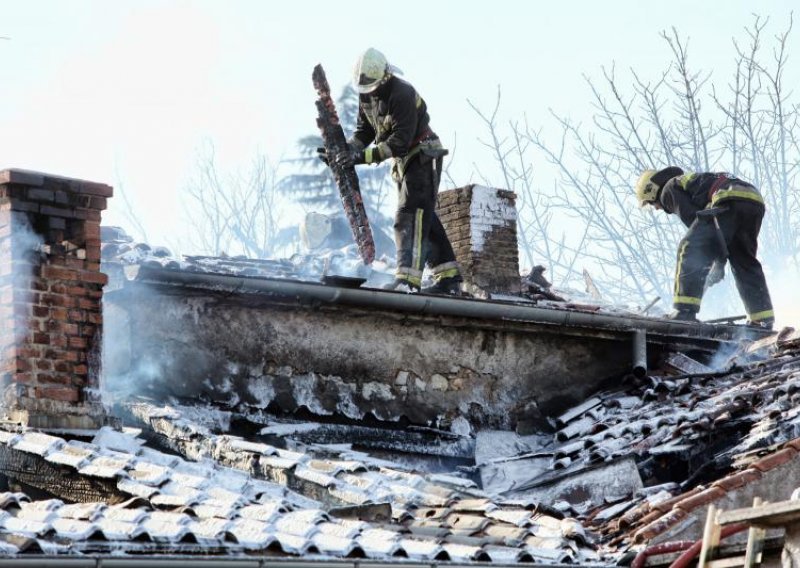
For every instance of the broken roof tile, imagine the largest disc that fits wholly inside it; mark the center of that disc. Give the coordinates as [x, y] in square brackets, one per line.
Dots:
[74, 529]
[24, 527]
[82, 511]
[331, 544]
[136, 489]
[251, 534]
[105, 466]
[516, 517]
[292, 544]
[209, 530]
[37, 443]
[166, 527]
[149, 473]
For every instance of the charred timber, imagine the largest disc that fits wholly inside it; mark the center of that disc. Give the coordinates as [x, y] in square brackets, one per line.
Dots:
[344, 172]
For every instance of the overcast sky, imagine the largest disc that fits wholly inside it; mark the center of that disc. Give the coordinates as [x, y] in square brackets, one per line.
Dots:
[126, 91]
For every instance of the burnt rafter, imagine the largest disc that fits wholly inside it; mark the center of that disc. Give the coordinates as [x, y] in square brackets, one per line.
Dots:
[344, 172]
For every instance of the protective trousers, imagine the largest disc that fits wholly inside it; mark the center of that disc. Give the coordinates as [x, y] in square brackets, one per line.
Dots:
[419, 235]
[740, 222]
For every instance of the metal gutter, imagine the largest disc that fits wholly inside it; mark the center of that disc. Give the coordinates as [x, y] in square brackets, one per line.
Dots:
[156, 561]
[424, 304]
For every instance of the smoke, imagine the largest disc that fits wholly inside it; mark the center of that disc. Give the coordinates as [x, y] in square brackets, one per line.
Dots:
[783, 287]
[18, 251]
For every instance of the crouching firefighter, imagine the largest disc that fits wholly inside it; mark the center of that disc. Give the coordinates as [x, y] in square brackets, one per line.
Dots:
[724, 215]
[393, 123]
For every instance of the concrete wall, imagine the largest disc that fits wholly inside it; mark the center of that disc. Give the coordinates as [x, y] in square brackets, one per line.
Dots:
[351, 362]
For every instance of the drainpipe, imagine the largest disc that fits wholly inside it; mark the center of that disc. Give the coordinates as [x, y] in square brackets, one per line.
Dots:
[639, 353]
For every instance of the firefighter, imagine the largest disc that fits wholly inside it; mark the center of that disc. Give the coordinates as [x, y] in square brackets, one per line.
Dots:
[393, 123]
[723, 214]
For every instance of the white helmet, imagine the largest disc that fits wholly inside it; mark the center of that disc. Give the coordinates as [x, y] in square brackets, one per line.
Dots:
[372, 70]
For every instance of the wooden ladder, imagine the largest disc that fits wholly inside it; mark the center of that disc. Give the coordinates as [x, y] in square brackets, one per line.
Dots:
[715, 520]
[760, 517]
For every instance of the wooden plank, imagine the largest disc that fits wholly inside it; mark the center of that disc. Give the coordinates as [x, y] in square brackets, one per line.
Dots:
[725, 562]
[755, 541]
[711, 534]
[769, 515]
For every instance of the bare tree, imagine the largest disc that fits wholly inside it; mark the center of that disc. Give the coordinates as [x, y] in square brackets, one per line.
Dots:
[237, 213]
[679, 118]
[510, 152]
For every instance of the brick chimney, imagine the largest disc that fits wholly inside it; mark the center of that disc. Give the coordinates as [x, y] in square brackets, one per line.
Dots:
[51, 292]
[481, 223]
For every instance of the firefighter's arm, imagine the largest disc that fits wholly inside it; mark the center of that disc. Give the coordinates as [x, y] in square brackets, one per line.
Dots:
[364, 133]
[403, 115]
[674, 199]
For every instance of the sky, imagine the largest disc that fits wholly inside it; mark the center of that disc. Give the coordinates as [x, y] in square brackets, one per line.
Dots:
[126, 91]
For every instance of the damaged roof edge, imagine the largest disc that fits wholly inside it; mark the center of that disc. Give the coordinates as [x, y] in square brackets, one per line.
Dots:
[424, 304]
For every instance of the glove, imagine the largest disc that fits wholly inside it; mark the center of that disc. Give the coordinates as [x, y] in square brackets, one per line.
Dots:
[322, 154]
[716, 274]
[351, 155]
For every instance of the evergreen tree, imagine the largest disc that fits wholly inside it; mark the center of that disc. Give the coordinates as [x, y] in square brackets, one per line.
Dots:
[314, 184]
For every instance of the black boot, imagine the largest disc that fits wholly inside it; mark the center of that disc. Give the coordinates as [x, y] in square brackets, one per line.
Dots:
[445, 286]
[683, 315]
[400, 285]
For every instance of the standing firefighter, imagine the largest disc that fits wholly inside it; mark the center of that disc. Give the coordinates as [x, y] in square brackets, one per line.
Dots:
[393, 123]
[724, 217]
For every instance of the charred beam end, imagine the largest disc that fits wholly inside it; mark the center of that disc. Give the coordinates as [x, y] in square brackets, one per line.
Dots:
[59, 481]
[344, 173]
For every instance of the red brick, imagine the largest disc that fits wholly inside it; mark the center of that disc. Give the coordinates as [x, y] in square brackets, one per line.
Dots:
[91, 230]
[22, 365]
[88, 330]
[44, 365]
[77, 343]
[774, 460]
[98, 203]
[23, 378]
[41, 311]
[59, 314]
[68, 328]
[54, 378]
[29, 351]
[58, 288]
[58, 273]
[86, 304]
[76, 263]
[57, 300]
[76, 291]
[92, 257]
[77, 316]
[62, 367]
[80, 370]
[95, 318]
[94, 277]
[41, 338]
[64, 393]
[72, 356]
